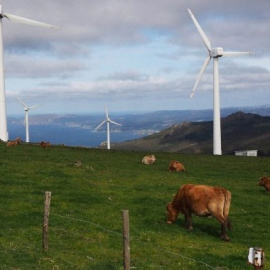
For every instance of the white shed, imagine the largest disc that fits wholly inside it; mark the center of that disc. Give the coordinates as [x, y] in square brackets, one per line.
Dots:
[247, 153]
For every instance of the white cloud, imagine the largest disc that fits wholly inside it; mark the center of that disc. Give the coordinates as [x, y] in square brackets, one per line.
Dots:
[146, 54]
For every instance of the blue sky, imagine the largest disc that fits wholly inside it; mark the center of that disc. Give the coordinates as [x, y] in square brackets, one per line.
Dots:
[133, 55]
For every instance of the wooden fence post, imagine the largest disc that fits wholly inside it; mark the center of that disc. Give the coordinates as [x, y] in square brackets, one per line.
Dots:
[126, 246]
[45, 238]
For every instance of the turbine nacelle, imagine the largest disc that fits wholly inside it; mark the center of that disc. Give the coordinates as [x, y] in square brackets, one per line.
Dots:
[216, 52]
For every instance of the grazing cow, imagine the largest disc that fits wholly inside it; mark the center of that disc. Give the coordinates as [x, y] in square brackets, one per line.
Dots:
[265, 182]
[12, 143]
[176, 166]
[150, 159]
[202, 201]
[45, 144]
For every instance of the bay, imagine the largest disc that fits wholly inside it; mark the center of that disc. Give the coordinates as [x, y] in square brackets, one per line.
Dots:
[68, 136]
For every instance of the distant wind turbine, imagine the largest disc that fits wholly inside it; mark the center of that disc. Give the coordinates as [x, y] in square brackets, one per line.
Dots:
[214, 53]
[3, 114]
[26, 120]
[108, 120]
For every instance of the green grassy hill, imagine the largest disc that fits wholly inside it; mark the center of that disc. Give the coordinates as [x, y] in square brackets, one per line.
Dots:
[85, 228]
[240, 131]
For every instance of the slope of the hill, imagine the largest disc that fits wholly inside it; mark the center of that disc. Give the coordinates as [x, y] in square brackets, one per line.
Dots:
[240, 131]
[90, 188]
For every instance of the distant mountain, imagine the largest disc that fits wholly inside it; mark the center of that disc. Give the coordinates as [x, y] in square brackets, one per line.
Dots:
[80, 130]
[240, 131]
[141, 123]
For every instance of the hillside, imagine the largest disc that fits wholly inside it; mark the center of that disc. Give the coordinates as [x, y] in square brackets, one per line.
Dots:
[240, 131]
[91, 187]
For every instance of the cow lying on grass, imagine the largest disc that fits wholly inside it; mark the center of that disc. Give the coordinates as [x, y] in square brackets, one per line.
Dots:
[150, 159]
[265, 182]
[45, 144]
[12, 143]
[176, 166]
[15, 142]
[202, 201]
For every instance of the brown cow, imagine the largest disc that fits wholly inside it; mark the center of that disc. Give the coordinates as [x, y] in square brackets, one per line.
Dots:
[265, 182]
[12, 143]
[176, 166]
[45, 144]
[150, 159]
[202, 201]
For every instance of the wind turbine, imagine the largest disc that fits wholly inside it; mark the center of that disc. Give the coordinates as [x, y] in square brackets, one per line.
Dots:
[3, 114]
[26, 122]
[108, 120]
[214, 53]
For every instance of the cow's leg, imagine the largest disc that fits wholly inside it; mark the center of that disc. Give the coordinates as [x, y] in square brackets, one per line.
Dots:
[229, 224]
[224, 227]
[217, 212]
[224, 234]
[224, 223]
[188, 221]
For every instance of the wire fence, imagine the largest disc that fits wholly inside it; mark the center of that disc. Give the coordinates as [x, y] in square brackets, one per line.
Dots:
[20, 247]
[154, 247]
[66, 228]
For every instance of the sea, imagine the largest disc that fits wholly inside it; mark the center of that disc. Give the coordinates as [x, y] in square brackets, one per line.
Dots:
[69, 136]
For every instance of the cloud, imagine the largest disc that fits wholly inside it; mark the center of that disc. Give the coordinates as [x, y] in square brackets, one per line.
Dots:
[19, 66]
[144, 53]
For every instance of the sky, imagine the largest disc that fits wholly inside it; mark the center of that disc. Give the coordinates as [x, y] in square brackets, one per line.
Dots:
[133, 55]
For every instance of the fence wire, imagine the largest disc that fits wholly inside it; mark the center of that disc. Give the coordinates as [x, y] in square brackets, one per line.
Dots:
[133, 239]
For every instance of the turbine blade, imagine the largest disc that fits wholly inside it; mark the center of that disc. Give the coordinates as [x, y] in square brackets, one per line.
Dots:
[27, 21]
[201, 32]
[106, 111]
[35, 106]
[205, 64]
[100, 124]
[236, 53]
[22, 102]
[113, 122]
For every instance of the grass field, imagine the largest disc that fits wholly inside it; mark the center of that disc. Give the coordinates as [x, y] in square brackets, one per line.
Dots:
[85, 228]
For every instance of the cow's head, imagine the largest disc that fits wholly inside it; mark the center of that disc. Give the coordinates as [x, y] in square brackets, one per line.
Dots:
[171, 213]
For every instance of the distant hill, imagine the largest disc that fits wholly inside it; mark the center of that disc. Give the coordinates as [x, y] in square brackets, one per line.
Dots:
[240, 131]
[79, 130]
[140, 123]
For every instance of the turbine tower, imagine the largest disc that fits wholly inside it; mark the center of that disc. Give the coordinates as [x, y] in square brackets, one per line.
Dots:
[26, 120]
[214, 53]
[3, 113]
[108, 120]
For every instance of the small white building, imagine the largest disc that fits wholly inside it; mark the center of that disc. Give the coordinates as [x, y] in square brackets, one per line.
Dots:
[247, 153]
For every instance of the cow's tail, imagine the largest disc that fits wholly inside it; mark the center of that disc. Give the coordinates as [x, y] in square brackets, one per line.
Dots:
[226, 208]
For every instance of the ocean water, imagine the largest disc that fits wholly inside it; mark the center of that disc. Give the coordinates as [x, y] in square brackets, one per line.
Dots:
[68, 136]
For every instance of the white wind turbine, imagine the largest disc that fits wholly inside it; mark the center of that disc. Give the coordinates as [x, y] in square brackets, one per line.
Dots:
[26, 120]
[108, 120]
[214, 53]
[3, 116]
